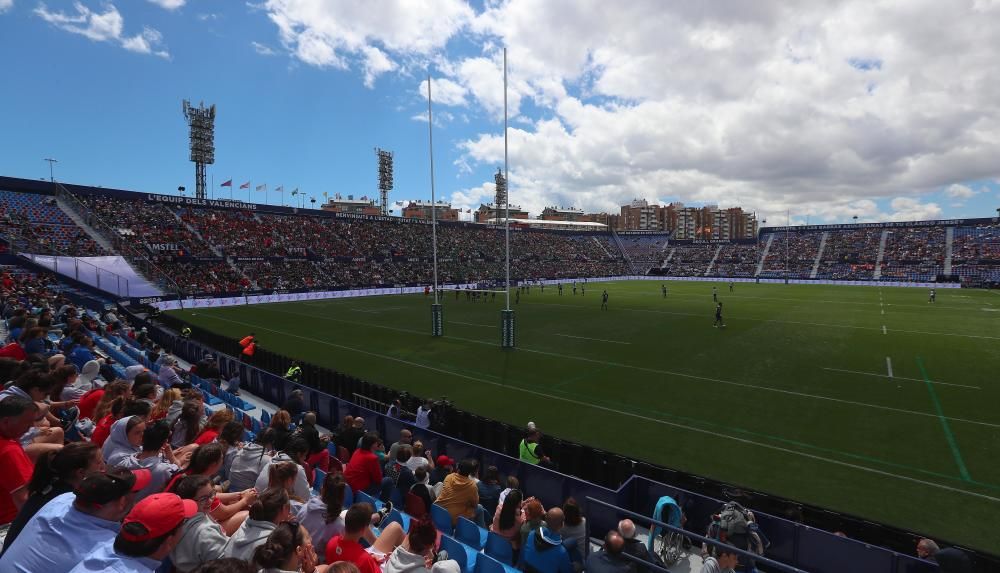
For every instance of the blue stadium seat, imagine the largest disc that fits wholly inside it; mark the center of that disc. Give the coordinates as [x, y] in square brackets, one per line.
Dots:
[499, 548]
[348, 495]
[318, 482]
[362, 497]
[470, 534]
[441, 519]
[465, 556]
[399, 517]
[487, 564]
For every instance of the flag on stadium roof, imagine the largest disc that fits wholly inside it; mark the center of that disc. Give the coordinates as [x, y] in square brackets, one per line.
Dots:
[338, 196]
[262, 187]
[294, 190]
[245, 185]
[280, 188]
[399, 203]
[227, 184]
[350, 197]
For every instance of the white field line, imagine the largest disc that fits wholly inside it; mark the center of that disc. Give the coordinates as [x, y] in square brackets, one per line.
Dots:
[664, 372]
[888, 364]
[594, 339]
[713, 433]
[883, 330]
[472, 324]
[903, 378]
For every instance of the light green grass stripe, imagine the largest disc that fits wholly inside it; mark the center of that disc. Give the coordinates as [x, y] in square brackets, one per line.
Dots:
[952, 442]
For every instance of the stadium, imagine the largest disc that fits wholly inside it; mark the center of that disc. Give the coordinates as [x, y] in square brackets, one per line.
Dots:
[231, 377]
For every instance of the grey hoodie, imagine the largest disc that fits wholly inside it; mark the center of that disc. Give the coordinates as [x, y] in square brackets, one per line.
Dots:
[247, 466]
[202, 541]
[301, 483]
[402, 561]
[247, 538]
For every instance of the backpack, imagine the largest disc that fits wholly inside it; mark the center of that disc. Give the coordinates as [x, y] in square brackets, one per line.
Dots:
[736, 525]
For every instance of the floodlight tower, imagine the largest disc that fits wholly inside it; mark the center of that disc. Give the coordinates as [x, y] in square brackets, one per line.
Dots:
[500, 199]
[384, 177]
[202, 123]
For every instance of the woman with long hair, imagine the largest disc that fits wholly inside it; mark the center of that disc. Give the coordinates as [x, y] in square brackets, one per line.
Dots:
[103, 428]
[112, 391]
[125, 440]
[323, 515]
[216, 421]
[283, 475]
[56, 472]
[229, 509]
[280, 423]
[163, 404]
[509, 518]
[231, 436]
[188, 424]
[250, 461]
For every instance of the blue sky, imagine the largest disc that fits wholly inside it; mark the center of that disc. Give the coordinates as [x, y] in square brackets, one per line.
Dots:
[830, 123]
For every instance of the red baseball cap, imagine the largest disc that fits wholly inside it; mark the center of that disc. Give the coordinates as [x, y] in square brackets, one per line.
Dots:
[444, 460]
[159, 514]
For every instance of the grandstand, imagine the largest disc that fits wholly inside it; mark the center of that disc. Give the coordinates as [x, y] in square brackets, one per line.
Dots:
[218, 251]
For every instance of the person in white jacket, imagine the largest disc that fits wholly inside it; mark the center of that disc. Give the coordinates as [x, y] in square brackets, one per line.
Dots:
[203, 539]
[250, 461]
[416, 553]
[295, 451]
[270, 509]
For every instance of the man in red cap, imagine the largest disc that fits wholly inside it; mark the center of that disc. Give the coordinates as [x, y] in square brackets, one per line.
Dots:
[72, 524]
[147, 535]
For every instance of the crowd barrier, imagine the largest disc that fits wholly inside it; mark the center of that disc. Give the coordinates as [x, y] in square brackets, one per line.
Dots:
[584, 471]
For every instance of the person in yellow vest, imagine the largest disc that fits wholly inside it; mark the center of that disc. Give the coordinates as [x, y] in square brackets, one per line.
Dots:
[294, 372]
[530, 449]
[186, 332]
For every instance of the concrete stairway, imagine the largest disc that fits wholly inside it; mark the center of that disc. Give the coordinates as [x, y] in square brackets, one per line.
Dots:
[881, 254]
[82, 223]
[711, 264]
[819, 255]
[763, 256]
[949, 241]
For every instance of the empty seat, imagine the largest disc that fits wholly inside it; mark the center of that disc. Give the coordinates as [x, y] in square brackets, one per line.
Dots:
[470, 534]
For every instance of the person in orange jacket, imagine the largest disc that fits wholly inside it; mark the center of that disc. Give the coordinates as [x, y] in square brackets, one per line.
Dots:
[249, 344]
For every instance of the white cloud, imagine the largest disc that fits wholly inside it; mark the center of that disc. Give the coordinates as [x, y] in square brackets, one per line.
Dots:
[910, 209]
[341, 34]
[263, 49]
[105, 27]
[819, 108]
[444, 92]
[957, 191]
[5, 5]
[169, 4]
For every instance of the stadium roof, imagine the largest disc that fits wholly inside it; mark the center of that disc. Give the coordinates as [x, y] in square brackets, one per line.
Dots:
[542, 223]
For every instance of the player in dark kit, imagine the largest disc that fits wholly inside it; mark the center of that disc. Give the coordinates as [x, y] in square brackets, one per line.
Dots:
[664, 289]
[715, 294]
[583, 289]
[560, 289]
[604, 300]
[574, 289]
[730, 286]
[718, 316]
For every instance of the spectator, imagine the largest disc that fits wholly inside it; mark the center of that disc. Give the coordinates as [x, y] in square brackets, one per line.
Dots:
[156, 456]
[508, 520]
[460, 496]
[17, 414]
[288, 548]
[357, 524]
[350, 435]
[422, 490]
[71, 525]
[211, 430]
[443, 467]
[417, 550]
[323, 515]
[230, 438]
[405, 439]
[162, 406]
[226, 565]
[124, 441]
[489, 490]
[103, 427]
[208, 369]
[530, 449]
[148, 534]
[281, 422]
[635, 547]
[319, 455]
[295, 405]
[725, 561]
[282, 475]
[543, 551]
[534, 517]
[421, 458]
[250, 461]
[574, 532]
[295, 452]
[56, 472]
[423, 420]
[398, 477]
[363, 472]
[609, 559]
[202, 539]
[187, 424]
[270, 509]
[167, 375]
[949, 559]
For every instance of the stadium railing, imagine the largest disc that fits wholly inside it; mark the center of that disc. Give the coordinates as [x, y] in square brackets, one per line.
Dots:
[603, 476]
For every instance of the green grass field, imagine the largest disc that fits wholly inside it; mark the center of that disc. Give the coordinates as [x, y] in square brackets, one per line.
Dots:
[793, 397]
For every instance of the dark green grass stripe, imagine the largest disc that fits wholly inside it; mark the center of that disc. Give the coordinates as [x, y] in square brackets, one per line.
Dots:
[952, 442]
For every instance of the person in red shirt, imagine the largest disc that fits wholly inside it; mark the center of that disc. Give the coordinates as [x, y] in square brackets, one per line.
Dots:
[17, 414]
[103, 428]
[249, 344]
[215, 423]
[363, 472]
[357, 524]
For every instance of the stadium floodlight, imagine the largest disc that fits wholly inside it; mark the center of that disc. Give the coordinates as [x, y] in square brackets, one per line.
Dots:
[181, 189]
[201, 121]
[500, 197]
[52, 177]
[384, 177]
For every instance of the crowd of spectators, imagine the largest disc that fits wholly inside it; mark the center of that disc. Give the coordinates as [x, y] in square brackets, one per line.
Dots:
[914, 254]
[795, 252]
[689, 260]
[147, 223]
[976, 253]
[40, 226]
[736, 260]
